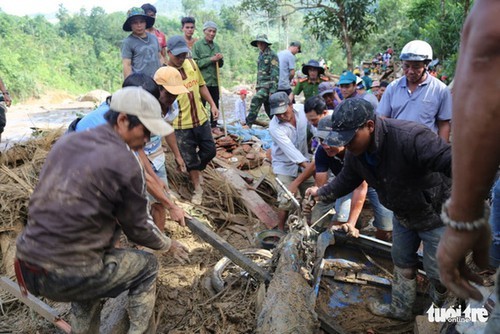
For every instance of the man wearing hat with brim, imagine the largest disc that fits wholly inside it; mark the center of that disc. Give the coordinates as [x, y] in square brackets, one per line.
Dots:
[141, 51]
[288, 130]
[207, 55]
[90, 189]
[409, 166]
[287, 66]
[267, 78]
[192, 126]
[309, 85]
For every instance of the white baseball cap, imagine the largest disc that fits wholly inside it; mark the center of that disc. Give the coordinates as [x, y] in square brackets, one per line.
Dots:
[139, 102]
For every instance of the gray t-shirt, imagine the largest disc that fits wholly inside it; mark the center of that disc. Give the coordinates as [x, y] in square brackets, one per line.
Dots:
[144, 53]
[287, 63]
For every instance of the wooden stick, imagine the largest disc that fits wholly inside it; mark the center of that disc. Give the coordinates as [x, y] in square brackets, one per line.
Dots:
[221, 105]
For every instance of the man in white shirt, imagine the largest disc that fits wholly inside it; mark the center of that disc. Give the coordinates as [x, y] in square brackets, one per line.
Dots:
[288, 129]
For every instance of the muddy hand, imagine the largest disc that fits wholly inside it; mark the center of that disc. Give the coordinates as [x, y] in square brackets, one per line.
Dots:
[453, 247]
[312, 191]
[307, 205]
[181, 165]
[177, 214]
[179, 252]
[350, 230]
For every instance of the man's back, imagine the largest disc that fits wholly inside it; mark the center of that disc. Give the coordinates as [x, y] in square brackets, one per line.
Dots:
[286, 63]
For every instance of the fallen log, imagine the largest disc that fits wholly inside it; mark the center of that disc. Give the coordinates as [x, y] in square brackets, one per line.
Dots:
[288, 306]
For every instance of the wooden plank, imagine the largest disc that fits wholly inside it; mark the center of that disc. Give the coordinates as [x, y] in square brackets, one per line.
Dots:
[251, 199]
[36, 304]
[228, 250]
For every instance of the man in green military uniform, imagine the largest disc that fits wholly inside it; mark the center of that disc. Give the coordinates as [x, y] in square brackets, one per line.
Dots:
[309, 85]
[267, 78]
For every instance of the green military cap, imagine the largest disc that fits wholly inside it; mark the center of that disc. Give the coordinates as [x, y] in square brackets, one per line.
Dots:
[260, 38]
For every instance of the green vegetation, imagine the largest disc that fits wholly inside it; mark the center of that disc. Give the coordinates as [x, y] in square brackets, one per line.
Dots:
[81, 51]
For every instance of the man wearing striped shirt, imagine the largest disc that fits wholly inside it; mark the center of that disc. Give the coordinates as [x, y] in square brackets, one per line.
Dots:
[192, 126]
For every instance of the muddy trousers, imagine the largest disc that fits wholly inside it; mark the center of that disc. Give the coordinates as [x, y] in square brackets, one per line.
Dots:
[260, 98]
[124, 270]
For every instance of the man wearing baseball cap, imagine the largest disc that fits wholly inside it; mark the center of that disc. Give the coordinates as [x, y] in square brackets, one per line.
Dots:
[92, 187]
[192, 126]
[347, 84]
[409, 166]
[288, 130]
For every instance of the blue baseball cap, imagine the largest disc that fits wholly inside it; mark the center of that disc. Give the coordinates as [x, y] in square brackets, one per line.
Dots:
[347, 78]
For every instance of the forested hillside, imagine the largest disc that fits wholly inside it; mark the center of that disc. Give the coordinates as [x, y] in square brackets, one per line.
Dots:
[81, 51]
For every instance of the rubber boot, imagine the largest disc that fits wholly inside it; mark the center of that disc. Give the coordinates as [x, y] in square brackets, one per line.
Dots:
[404, 294]
[86, 317]
[140, 311]
[438, 298]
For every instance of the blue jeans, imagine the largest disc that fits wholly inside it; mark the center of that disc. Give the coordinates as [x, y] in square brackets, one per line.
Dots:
[342, 210]
[405, 243]
[383, 216]
[493, 325]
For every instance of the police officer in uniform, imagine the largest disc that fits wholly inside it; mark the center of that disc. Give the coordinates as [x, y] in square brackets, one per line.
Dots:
[309, 85]
[267, 78]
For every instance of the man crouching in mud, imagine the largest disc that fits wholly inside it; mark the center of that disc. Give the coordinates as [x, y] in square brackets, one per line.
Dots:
[409, 166]
[91, 187]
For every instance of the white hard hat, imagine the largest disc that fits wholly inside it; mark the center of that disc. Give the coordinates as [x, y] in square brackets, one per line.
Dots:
[416, 51]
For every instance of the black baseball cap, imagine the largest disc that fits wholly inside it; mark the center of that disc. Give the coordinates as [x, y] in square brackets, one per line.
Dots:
[348, 117]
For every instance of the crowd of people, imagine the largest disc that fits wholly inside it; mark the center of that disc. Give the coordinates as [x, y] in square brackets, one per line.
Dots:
[352, 139]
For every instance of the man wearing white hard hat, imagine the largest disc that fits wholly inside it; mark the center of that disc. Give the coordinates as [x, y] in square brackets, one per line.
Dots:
[418, 96]
[92, 187]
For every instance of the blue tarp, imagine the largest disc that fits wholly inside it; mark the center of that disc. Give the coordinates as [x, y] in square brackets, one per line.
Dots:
[247, 134]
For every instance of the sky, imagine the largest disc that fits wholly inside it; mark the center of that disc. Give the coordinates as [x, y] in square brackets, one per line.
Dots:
[30, 7]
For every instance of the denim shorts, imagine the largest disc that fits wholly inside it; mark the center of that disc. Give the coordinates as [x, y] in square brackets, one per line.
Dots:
[405, 244]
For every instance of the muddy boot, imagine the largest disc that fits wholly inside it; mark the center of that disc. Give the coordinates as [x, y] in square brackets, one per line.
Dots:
[86, 317]
[404, 293]
[140, 311]
[438, 294]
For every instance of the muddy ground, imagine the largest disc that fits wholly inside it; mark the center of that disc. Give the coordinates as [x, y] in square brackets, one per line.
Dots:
[186, 303]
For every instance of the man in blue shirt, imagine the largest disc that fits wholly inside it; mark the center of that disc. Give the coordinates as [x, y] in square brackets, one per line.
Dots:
[418, 96]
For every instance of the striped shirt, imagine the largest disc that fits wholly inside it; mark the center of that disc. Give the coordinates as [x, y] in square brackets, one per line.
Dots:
[191, 111]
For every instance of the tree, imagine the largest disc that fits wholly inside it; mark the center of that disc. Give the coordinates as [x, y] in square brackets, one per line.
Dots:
[351, 21]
